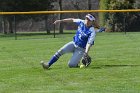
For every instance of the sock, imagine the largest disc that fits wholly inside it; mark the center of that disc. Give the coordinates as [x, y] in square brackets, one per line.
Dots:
[54, 59]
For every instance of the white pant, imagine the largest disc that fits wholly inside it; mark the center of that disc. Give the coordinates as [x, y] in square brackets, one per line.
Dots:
[77, 53]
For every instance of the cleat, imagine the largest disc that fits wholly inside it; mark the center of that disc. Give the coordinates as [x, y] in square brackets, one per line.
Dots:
[44, 65]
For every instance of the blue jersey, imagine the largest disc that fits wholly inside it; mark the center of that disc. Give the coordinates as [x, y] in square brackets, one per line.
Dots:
[84, 34]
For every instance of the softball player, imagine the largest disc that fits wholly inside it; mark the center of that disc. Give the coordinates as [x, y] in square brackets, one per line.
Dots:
[82, 41]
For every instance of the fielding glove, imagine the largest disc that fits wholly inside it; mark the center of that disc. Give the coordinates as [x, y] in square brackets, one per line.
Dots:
[86, 59]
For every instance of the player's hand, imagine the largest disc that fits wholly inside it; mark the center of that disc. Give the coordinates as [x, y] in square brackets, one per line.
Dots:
[85, 54]
[57, 21]
[102, 29]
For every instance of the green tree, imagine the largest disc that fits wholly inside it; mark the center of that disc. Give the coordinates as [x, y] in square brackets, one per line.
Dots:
[103, 5]
[120, 21]
[61, 15]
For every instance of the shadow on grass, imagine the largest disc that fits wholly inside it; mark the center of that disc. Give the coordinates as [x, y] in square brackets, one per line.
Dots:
[111, 66]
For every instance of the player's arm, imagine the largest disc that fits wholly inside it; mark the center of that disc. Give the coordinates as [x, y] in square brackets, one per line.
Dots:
[87, 48]
[99, 29]
[64, 20]
[90, 41]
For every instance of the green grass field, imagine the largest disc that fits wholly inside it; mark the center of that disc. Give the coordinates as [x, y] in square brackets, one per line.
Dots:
[115, 66]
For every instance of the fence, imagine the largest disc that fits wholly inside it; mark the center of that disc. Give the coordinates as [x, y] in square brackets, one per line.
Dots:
[42, 21]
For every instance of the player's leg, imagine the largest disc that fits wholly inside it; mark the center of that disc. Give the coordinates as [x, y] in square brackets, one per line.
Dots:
[69, 47]
[76, 57]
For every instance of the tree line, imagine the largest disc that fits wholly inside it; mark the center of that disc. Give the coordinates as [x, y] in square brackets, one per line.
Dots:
[117, 22]
[113, 21]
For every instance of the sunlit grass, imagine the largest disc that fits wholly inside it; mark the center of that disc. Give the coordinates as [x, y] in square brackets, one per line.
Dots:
[114, 68]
